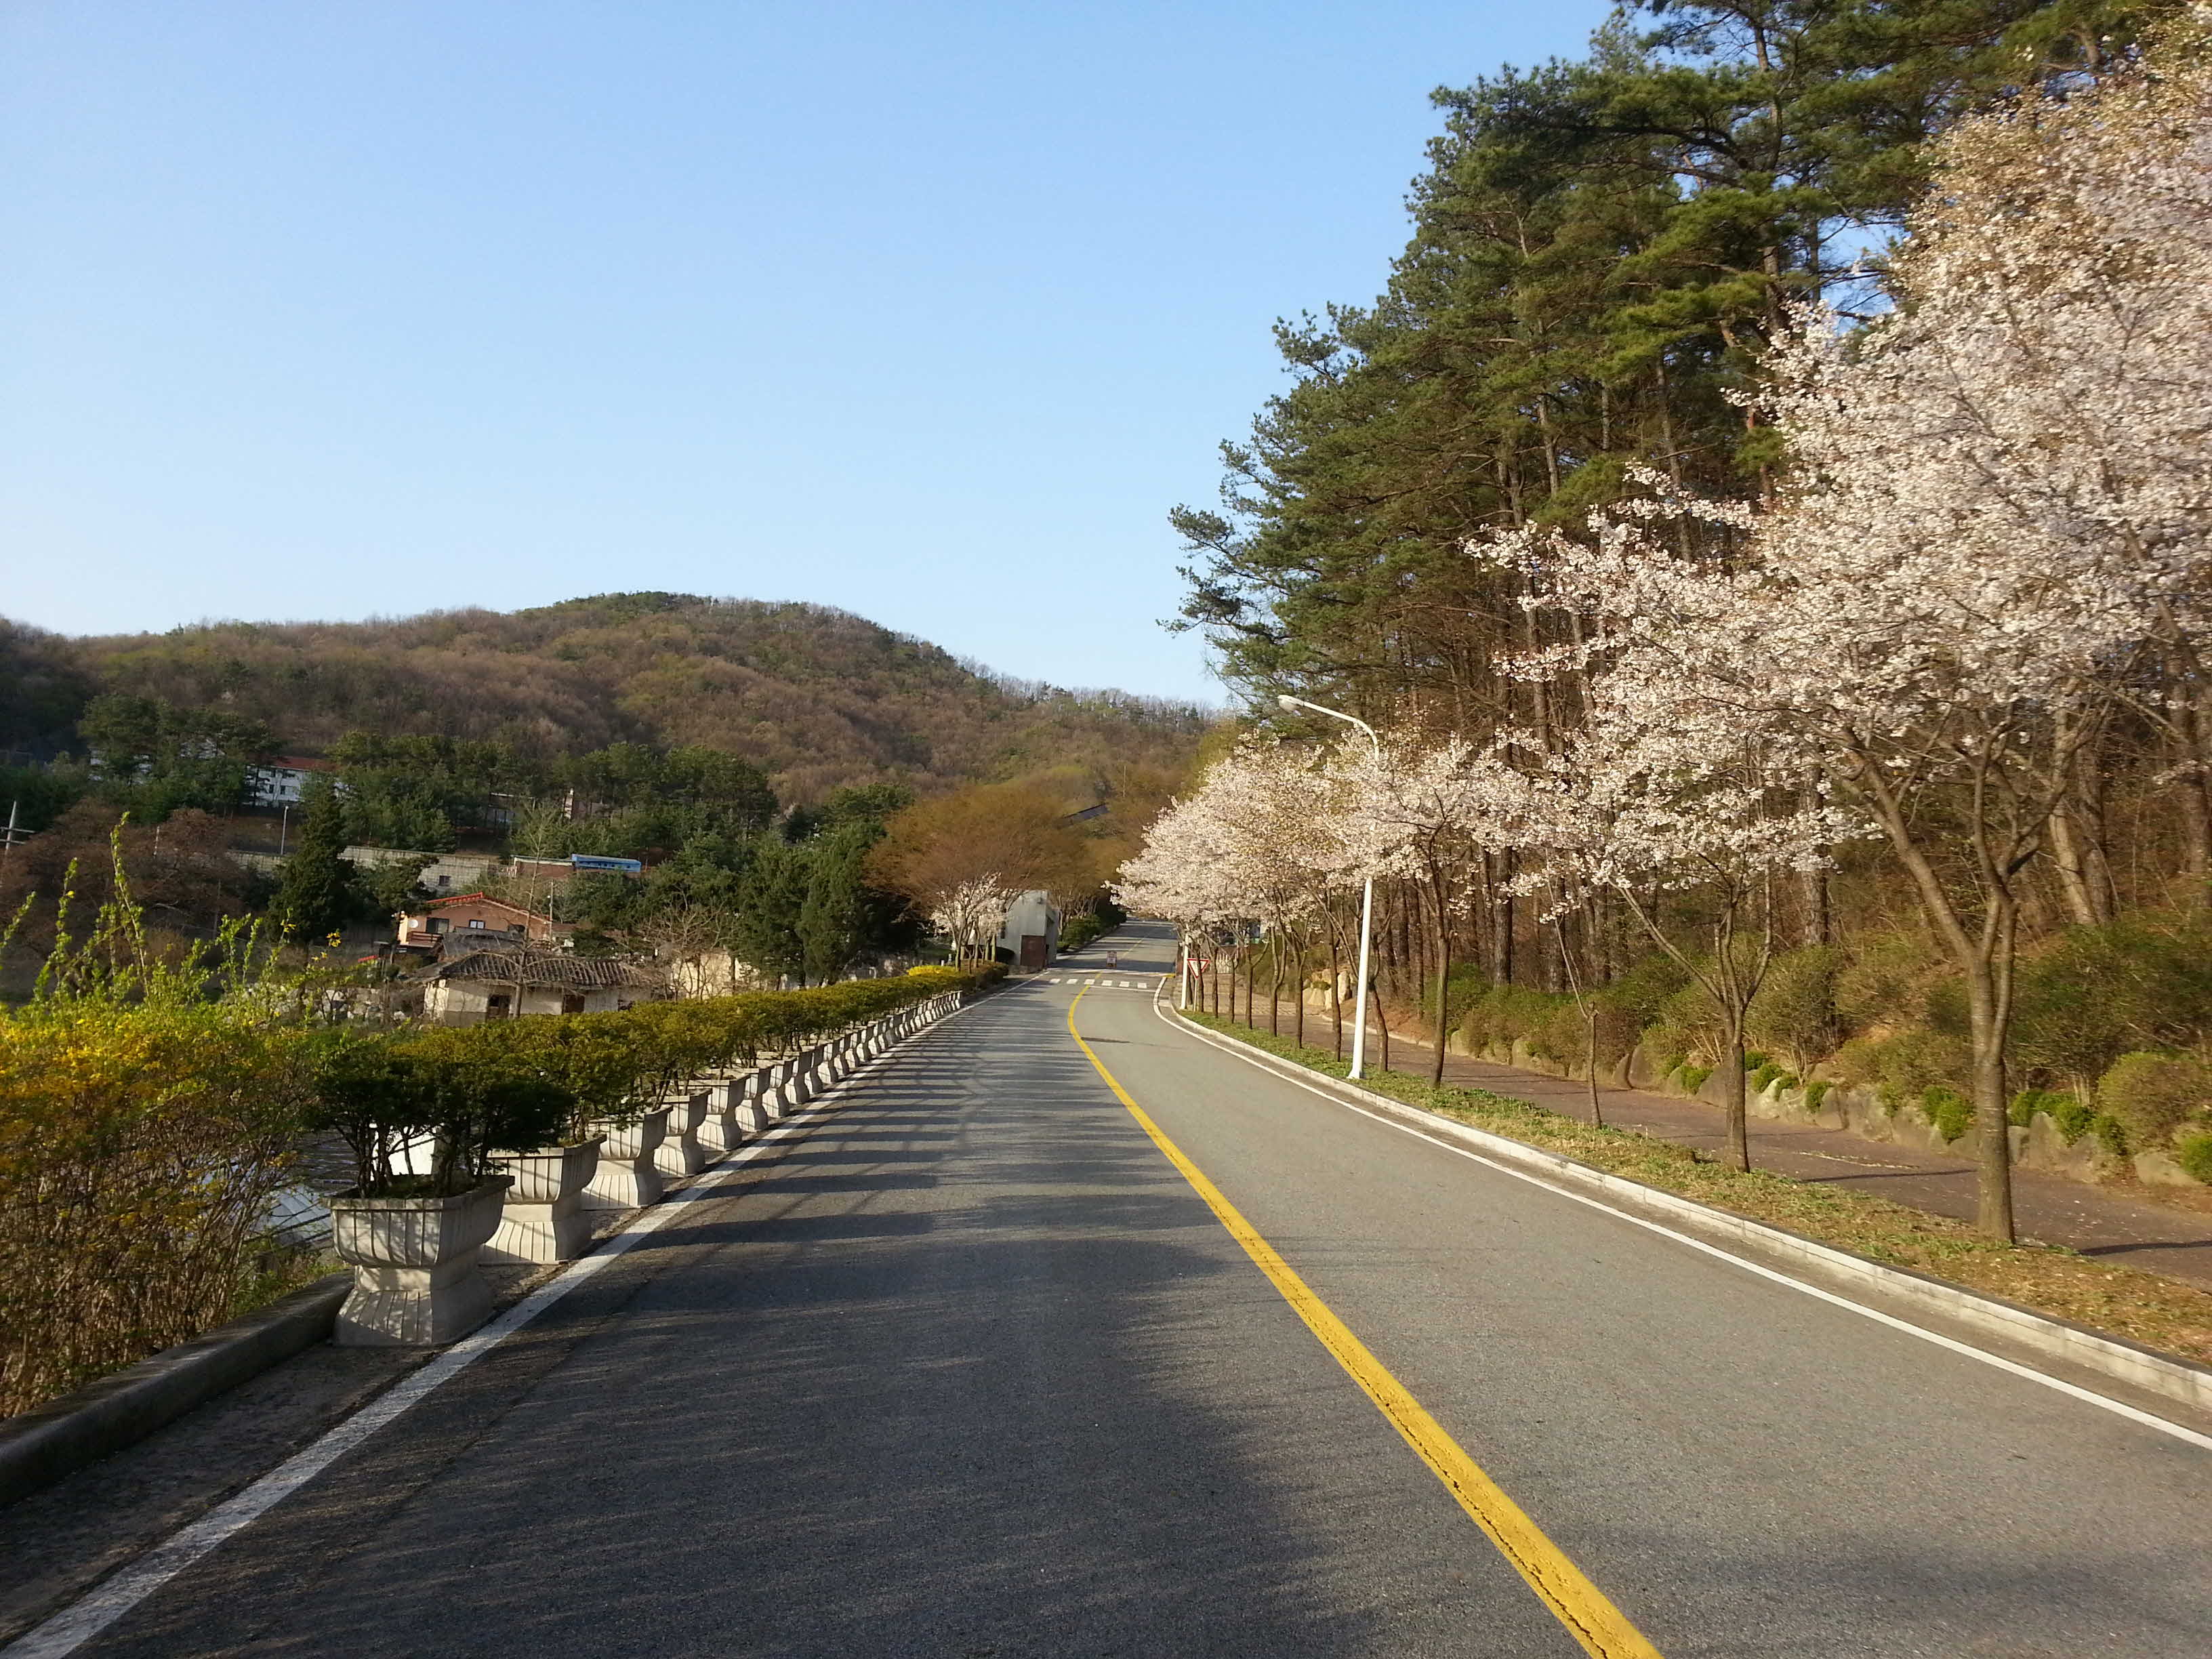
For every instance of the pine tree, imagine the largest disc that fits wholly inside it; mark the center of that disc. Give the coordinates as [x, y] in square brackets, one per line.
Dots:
[770, 899]
[319, 894]
[833, 923]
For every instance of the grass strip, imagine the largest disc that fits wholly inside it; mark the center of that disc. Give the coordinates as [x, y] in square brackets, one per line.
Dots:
[2159, 1312]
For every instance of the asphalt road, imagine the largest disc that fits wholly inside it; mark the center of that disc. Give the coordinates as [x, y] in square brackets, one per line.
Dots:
[974, 1370]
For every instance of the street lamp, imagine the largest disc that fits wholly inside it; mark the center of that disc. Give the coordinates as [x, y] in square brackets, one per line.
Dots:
[1366, 897]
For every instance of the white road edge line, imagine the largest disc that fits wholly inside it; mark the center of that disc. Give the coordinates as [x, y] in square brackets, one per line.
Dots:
[2118, 1407]
[64, 1632]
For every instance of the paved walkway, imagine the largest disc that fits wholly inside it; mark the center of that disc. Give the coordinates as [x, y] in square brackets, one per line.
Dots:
[2121, 1224]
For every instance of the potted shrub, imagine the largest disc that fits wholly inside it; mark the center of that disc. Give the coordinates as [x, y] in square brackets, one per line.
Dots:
[426, 1196]
[542, 1219]
[605, 1063]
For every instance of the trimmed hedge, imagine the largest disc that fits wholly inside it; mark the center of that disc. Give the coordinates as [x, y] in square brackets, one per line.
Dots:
[618, 1065]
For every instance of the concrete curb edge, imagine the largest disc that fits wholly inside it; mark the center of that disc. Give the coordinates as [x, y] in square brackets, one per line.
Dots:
[2181, 1381]
[44, 1445]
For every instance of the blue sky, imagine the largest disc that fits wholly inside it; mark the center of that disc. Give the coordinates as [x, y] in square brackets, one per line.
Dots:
[930, 312]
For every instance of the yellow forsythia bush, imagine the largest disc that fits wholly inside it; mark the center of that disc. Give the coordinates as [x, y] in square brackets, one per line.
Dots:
[141, 1144]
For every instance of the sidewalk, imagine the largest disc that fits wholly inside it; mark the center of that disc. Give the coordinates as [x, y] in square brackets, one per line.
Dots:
[2119, 1225]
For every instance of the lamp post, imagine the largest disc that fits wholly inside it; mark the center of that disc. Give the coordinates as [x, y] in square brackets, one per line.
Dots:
[1366, 899]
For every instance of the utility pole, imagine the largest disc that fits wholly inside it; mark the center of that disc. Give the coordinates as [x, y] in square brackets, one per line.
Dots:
[12, 836]
[1358, 1068]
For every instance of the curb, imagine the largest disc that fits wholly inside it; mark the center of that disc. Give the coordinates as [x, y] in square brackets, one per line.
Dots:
[61, 1436]
[1900, 1289]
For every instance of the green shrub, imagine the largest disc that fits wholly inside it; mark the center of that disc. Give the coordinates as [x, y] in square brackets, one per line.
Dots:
[1687, 1024]
[1886, 980]
[1795, 1011]
[1858, 1062]
[1949, 1110]
[2142, 983]
[617, 1065]
[2152, 1094]
[1644, 989]
[1943, 1009]
[1764, 1074]
[1815, 1092]
[2195, 1154]
[2110, 1132]
[1079, 929]
[375, 1096]
[1548, 1023]
[1562, 1034]
[2073, 1117]
[1755, 1059]
[1694, 1077]
[1904, 1067]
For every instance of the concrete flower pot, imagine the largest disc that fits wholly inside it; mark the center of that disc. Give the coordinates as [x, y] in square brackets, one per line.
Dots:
[798, 1080]
[544, 1219]
[749, 1093]
[626, 1178]
[415, 1275]
[679, 1152]
[722, 1133]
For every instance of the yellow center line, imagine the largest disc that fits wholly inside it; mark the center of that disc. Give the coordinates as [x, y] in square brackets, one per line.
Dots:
[1579, 1604]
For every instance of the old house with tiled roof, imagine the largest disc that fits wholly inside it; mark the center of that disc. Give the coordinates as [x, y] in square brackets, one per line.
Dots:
[498, 982]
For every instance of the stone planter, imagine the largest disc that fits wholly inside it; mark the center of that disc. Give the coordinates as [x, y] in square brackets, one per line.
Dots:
[798, 1084]
[679, 1152]
[767, 1093]
[415, 1275]
[544, 1219]
[722, 1133]
[626, 1178]
[751, 1093]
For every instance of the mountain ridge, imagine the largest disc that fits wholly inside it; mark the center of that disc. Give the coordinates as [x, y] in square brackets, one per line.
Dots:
[818, 698]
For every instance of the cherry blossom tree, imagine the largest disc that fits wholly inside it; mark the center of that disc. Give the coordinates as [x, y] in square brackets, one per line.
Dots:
[1927, 686]
[1250, 847]
[1423, 813]
[1270, 804]
[1655, 797]
[2000, 502]
[970, 913]
[1176, 877]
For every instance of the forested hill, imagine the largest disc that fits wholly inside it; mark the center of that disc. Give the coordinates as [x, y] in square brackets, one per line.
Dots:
[817, 697]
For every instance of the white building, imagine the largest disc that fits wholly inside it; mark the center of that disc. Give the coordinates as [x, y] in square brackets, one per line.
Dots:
[282, 779]
[1030, 935]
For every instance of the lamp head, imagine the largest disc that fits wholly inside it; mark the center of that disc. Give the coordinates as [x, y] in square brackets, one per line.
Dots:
[1286, 700]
